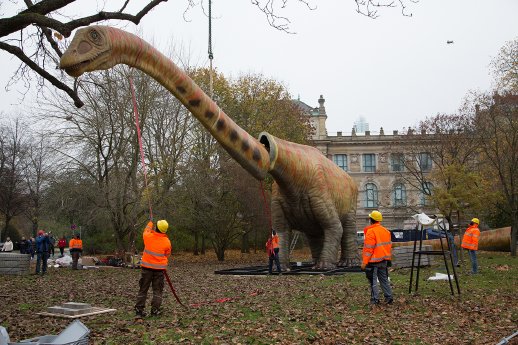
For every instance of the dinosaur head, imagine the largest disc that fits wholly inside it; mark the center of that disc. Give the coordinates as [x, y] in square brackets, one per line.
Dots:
[89, 50]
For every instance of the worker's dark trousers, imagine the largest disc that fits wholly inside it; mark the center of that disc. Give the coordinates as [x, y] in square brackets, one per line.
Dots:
[154, 278]
[75, 259]
[378, 271]
[274, 257]
[41, 261]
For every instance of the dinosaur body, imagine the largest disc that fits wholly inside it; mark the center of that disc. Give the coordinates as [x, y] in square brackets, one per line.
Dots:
[310, 194]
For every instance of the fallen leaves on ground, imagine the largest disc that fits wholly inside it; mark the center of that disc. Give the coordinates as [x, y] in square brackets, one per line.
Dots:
[269, 309]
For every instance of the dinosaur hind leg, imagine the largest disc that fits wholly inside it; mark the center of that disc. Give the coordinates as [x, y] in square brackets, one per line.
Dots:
[315, 245]
[349, 254]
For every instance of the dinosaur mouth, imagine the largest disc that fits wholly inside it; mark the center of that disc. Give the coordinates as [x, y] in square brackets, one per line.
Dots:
[77, 69]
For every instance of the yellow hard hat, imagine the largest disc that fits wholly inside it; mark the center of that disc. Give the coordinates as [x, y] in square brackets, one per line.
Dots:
[475, 220]
[376, 215]
[162, 226]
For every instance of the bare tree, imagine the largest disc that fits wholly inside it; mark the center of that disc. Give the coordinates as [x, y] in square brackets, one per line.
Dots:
[370, 8]
[13, 145]
[497, 131]
[504, 68]
[458, 184]
[273, 9]
[440, 163]
[34, 36]
[101, 145]
[38, 173]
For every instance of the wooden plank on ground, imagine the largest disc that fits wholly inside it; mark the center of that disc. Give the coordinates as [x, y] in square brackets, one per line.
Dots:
[95, 311]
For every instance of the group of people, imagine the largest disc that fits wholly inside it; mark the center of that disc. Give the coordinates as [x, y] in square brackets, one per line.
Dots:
[377, 254]
[43, 246]
[376, 259]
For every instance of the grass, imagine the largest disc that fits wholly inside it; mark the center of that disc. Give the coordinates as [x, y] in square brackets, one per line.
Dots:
[277, 309]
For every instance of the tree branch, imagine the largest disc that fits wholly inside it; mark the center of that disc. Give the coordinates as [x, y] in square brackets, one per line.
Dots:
[26, 18]
[35, 67]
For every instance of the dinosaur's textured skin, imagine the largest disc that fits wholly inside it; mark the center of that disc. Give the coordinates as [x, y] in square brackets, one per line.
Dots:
[310, 194]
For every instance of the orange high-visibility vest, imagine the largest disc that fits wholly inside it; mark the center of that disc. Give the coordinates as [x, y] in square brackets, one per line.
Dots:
[275, 241]
[377, 245]
[157, 248]
[75, 244]
[470, 238]
[367, 228]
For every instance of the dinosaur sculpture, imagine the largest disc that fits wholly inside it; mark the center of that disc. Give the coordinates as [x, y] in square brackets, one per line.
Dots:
[310, 194]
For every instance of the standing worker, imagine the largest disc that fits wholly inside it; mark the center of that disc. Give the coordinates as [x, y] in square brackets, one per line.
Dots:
[52, 240]
[76, 248]
[157, 248]
[376, 257]
[272, 246]
[62, 243]
[23, 246]
[470, 242]
[42, 252]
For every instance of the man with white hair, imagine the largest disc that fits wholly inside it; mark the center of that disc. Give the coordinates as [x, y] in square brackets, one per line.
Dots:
[8, 245]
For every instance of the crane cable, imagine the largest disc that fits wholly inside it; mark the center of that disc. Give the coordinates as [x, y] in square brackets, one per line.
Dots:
[211, 55]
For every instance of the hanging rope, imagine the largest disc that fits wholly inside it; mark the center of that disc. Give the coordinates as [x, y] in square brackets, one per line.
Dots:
[266, 208]
[139, 136]
[143, 163]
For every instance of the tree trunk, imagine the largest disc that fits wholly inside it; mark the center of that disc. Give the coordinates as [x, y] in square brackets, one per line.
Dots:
[34, 228]
[245, 248]
[203, 244]
[220, 253]
[121, 245]
[6, 226]
[196, 243]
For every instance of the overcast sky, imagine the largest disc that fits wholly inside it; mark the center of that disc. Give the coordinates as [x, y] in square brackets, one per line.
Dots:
[393, 71]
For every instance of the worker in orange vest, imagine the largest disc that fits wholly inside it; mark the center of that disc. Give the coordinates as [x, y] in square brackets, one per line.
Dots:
[376, 257]
[272, 247]
[157, 248]
[76, 248]
[470, 242]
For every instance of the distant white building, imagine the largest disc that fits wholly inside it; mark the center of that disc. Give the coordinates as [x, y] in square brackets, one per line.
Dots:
[361, 125]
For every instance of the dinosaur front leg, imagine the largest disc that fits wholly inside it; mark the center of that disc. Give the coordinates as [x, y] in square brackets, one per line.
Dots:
[349, 255]
[330, 231]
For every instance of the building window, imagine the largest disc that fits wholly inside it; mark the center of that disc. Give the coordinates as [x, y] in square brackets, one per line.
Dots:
[341, 161]
[371, 195]
[424, 161]
[369, 162]
[397, 162]
[426, 193]
[399, 195]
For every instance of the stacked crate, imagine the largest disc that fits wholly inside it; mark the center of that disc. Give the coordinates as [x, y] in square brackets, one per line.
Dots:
[14, 263]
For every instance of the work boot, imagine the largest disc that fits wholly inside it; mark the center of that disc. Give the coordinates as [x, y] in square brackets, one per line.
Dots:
[155, 312]
[139, 313]
[389, 301]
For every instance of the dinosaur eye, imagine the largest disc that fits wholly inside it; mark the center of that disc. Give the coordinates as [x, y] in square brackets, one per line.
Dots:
[94, 35]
